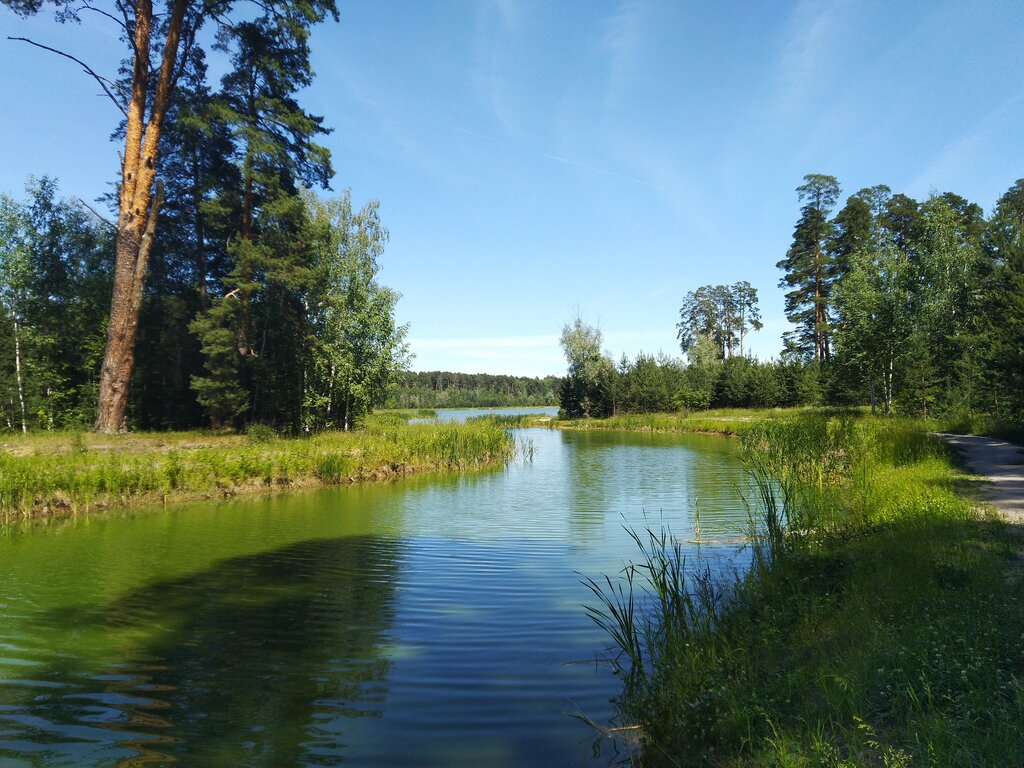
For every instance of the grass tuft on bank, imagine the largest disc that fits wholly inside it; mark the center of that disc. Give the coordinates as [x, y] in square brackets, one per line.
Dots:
[67, 473]
[720, 421]
[880, 624]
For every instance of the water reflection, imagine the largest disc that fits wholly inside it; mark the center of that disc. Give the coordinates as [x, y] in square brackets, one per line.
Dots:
[431, 622]
[240, 664]
[586, 464]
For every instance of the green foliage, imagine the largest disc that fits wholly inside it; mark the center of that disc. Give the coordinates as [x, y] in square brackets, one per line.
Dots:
[690, 399]
[220, 391]
[360, 350]
[722, 314]
[1004, 241]
[260, 433]
[648, 385]
[809, 269]
[879, 623]
[445, 389]
[74, 472]
[587, 389]
[55, 267]
[904, 306]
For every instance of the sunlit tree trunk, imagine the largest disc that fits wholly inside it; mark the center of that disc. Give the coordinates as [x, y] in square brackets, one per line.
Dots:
[138, 207]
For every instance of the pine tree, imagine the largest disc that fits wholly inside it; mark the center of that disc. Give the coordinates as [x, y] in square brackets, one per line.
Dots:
[189, 256]
[809, 271]
[1004, 241]
[159, 42]
[276, 156]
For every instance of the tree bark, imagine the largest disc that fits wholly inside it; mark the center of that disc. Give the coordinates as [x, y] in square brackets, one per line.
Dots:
[137, 214]
[200, 227]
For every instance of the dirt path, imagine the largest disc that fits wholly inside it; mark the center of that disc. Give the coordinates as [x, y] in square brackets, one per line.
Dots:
[1001, 464]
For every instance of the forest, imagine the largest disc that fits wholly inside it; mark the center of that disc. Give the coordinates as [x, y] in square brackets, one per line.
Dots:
[214, 287]
[220, 290]
[912, 307]
[445, 389]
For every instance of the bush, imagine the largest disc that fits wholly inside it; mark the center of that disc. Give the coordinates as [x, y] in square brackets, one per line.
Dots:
[260, 433]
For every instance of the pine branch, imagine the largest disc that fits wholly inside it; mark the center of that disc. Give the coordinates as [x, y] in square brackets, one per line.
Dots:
[97, 214]
[119, 22]
[104, 82]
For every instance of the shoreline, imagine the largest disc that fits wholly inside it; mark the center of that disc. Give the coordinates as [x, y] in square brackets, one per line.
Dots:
[882, 634]
[53, 476]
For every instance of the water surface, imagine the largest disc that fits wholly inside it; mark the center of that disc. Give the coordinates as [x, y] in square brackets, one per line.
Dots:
[431, 621]
[461, 414]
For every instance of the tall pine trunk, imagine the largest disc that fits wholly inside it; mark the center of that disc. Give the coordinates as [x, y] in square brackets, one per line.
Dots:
[137, 215]
[200, 228]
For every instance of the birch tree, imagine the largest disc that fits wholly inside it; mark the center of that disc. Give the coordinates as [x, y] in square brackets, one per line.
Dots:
[15, 267]
[359, 349]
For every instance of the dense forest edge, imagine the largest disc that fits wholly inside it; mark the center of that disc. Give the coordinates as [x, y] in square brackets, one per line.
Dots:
[912, 307]
[446, 389]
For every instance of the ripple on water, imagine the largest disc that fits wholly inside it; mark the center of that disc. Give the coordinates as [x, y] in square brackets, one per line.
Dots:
[426, 622]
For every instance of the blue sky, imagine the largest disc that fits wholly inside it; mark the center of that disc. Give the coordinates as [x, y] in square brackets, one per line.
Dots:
[538, 159]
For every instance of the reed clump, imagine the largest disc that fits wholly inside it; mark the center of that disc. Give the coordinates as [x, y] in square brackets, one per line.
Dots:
[878, 624]
[722, 421]
[66, 474]
[515, 421]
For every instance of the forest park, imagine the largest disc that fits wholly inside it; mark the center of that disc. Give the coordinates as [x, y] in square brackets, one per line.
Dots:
[212, 287]
[911, 307]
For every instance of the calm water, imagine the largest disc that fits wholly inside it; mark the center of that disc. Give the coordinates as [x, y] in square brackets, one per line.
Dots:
[461, 414]
[435, 621]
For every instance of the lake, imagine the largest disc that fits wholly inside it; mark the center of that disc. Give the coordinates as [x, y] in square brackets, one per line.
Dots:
[430, 621]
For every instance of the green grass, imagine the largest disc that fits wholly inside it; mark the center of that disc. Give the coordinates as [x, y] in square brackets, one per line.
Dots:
[514, 421]
[409, 413]
[880, 623]
[722, 421]
[979, 424]
[67, 473]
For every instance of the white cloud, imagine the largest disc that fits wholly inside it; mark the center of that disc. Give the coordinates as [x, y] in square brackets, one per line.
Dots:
[807, 47]
[622, 42]
[959, 157]
[537, 355]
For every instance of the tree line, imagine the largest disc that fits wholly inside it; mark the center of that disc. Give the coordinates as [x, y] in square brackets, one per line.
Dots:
[902, 304]
[596, 387]
[325, 347]
[909, 305]
[223, 291]
[445, 389]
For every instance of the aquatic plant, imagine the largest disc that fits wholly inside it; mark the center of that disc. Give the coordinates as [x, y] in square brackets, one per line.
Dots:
[70, 473]
[878, 624]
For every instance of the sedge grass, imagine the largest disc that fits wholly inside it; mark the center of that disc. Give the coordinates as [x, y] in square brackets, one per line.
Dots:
[880, 623]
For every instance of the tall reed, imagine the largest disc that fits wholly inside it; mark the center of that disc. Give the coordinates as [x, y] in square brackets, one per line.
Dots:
[876, 625]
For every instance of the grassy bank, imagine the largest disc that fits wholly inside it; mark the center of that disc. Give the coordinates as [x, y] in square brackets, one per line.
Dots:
[67, 473]
[880, 623]
[737, 421]
[722, 421]
[981, 425]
